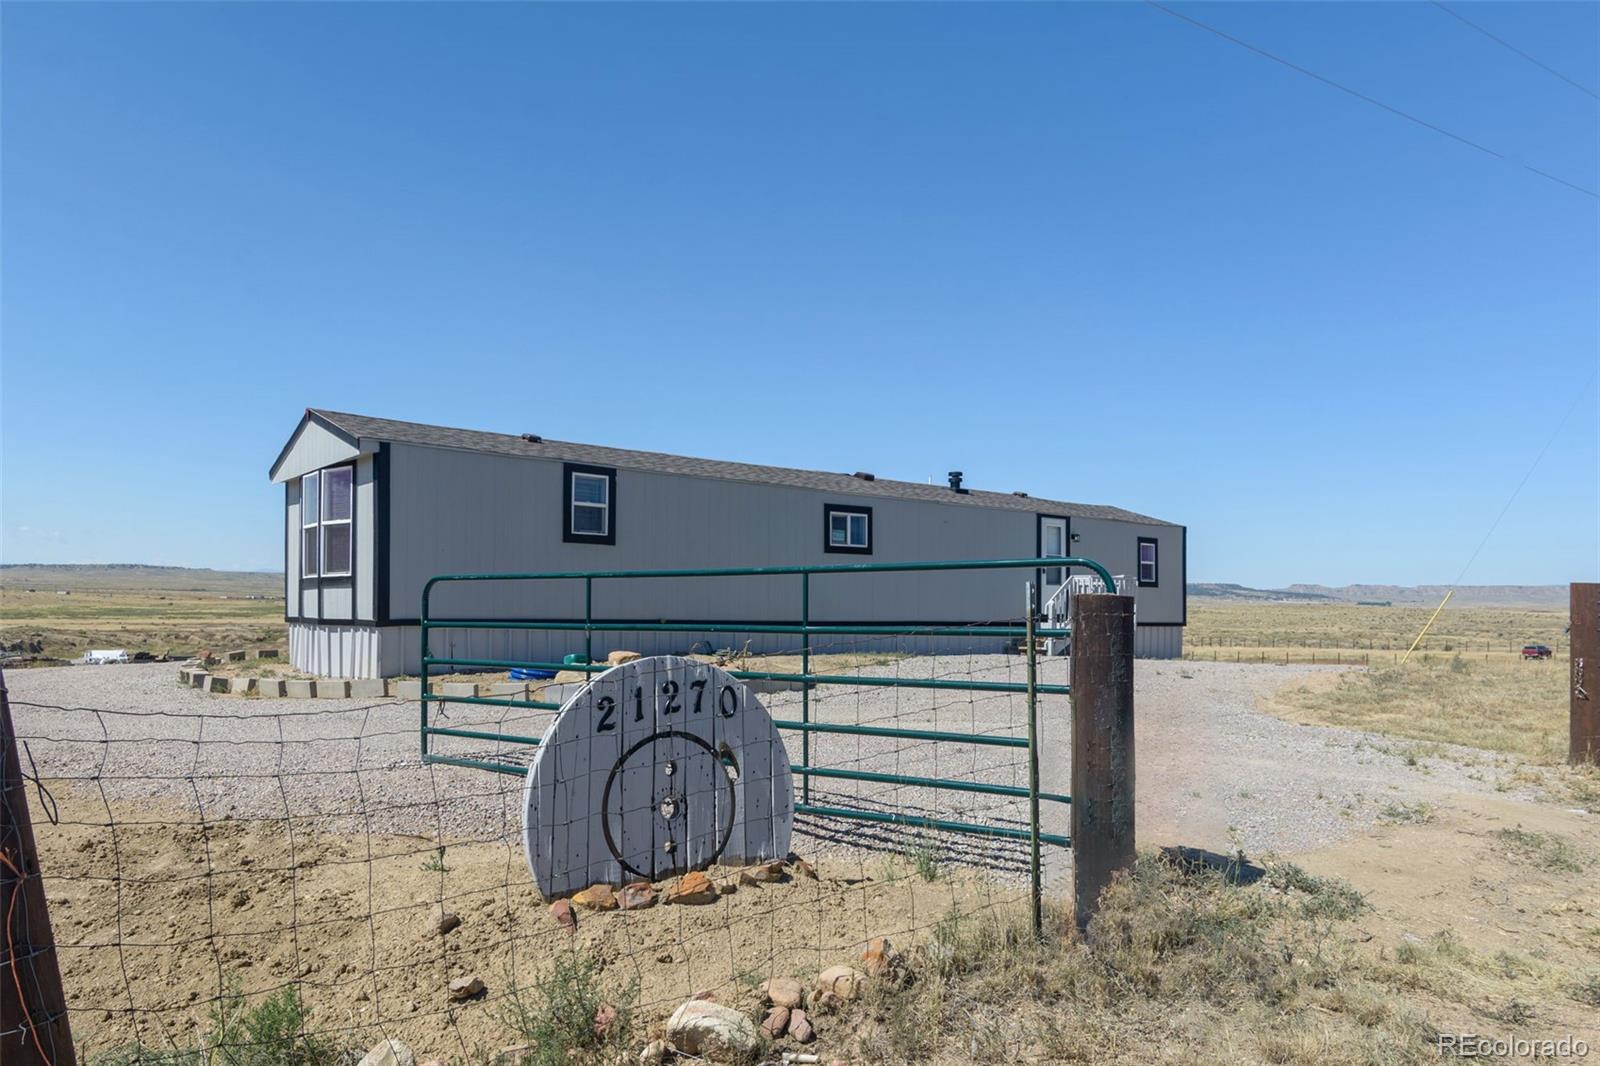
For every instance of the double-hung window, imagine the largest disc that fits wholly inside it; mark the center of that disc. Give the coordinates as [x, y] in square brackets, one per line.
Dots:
[327, 509]
[338, 509]
[847, 529]
[310, 541]
[1148, 569]
[589, 504]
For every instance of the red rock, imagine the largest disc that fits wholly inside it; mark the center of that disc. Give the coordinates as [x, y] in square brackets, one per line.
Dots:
[800, 1027]
[693, 887]
[604, 1016]
[777, 1022]
[637, 896]
[803, 868]
[596, 898]
[880, 957]
[561, 911]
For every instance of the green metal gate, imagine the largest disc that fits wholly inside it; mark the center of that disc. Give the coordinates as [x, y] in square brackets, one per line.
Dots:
[805, 630]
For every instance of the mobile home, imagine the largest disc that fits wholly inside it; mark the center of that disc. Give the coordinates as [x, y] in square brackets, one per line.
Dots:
[374, 507]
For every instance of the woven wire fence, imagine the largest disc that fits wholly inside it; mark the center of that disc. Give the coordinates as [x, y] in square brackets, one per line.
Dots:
[206, 855]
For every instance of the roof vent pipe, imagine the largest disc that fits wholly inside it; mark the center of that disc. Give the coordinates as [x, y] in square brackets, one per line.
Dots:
[532, 438]
[864, 476]
[955, 481]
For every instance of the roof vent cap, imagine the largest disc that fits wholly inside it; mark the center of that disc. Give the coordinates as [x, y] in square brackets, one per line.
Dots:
[955, 481]
[532, 438]
[1024, 495]
[864, 476]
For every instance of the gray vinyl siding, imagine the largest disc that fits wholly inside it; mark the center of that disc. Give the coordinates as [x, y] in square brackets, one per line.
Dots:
[338, 599]
[464, 512]
[312, 448]
[1115, 545]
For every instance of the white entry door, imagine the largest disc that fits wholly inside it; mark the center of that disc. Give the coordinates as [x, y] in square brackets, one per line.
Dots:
[1053, 541]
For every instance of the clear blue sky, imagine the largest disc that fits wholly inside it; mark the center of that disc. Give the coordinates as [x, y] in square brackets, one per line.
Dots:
[1092, 252]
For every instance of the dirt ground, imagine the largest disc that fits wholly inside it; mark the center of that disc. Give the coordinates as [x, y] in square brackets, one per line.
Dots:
[155, 917]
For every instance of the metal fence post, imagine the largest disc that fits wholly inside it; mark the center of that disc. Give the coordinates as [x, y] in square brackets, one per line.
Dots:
[1583, 653]
[34, 1029]
[1036, 882]
[805, 686]
[1102, 746]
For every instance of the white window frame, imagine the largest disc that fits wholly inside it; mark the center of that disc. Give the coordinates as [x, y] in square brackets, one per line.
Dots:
[851, 516]
[322, 538]
[603, 508]
[1155, 562]
[315, 489]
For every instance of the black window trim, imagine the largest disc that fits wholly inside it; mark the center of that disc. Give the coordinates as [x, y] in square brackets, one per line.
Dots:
[1138, 563]
[572, 536]
[831, 509]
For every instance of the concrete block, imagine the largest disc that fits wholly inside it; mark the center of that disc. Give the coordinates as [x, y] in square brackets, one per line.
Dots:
[218, 684]
[560, 693]
[267, 653]
[366, 688]
[197, 678]
[406, 690]
[183, 676]
[299, 689]
[329, 688]
[459, 688]
[236, 656]
[512, 690]
[241, 685]
[269, 686]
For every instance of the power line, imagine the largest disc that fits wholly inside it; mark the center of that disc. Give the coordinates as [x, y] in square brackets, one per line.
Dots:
[1364, 98]
[1502, 42]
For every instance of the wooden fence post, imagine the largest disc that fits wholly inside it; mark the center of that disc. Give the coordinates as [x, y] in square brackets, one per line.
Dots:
[1102, 746]
[1584, 652]
[33, 1010]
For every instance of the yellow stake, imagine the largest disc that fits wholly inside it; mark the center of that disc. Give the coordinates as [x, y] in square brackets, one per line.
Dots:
[1425, 628]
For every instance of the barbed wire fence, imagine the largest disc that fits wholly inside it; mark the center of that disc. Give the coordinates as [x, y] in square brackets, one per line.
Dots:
[242, 880]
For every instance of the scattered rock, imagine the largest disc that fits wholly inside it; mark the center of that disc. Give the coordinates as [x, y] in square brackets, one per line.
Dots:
[617, 658]
[465, 988]
[777, 1022]
[447, 922]
[726, 886]
[880, 958]
[845, 982]
[561, 911]
[390, 1052]
[713, 1031]
[637, 896]
[665, 956]
[692, 887]
[596, 898]
[803, 868]
[800, 1027]
[704, 994]
[764, 873]
[783, 991]
[655, 1053]
[605, 1016]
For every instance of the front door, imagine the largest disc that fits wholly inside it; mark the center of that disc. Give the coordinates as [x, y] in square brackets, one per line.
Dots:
[1053, 542]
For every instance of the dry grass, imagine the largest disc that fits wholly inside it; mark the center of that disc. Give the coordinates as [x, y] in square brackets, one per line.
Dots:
[1514, 707]
[1303, 633]
[62, 616]
[1187, 966]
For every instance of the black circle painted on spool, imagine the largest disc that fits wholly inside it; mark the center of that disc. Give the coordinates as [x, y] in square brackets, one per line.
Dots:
[616, 767]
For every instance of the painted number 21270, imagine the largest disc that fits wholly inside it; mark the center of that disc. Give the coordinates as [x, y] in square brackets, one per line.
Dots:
[673, 701]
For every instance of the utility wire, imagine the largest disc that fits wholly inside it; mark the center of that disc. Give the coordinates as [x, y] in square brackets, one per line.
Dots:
[1364, 98]
[1502, 42]
[1576, 399]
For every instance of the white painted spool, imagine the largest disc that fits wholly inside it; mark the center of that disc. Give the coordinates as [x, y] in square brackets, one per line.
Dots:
[654, 768]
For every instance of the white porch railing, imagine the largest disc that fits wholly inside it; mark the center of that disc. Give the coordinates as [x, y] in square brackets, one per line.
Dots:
[1057, 609]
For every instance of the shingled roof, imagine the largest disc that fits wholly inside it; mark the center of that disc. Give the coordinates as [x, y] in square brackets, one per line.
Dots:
[364, 427]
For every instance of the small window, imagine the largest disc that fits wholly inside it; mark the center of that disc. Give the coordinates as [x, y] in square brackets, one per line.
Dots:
[1148, 572]
[310, 499]
[589, 504]
[338, 504]
[847, 529]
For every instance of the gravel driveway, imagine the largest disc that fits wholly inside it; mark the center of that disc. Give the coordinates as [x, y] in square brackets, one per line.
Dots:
[1213, 772]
